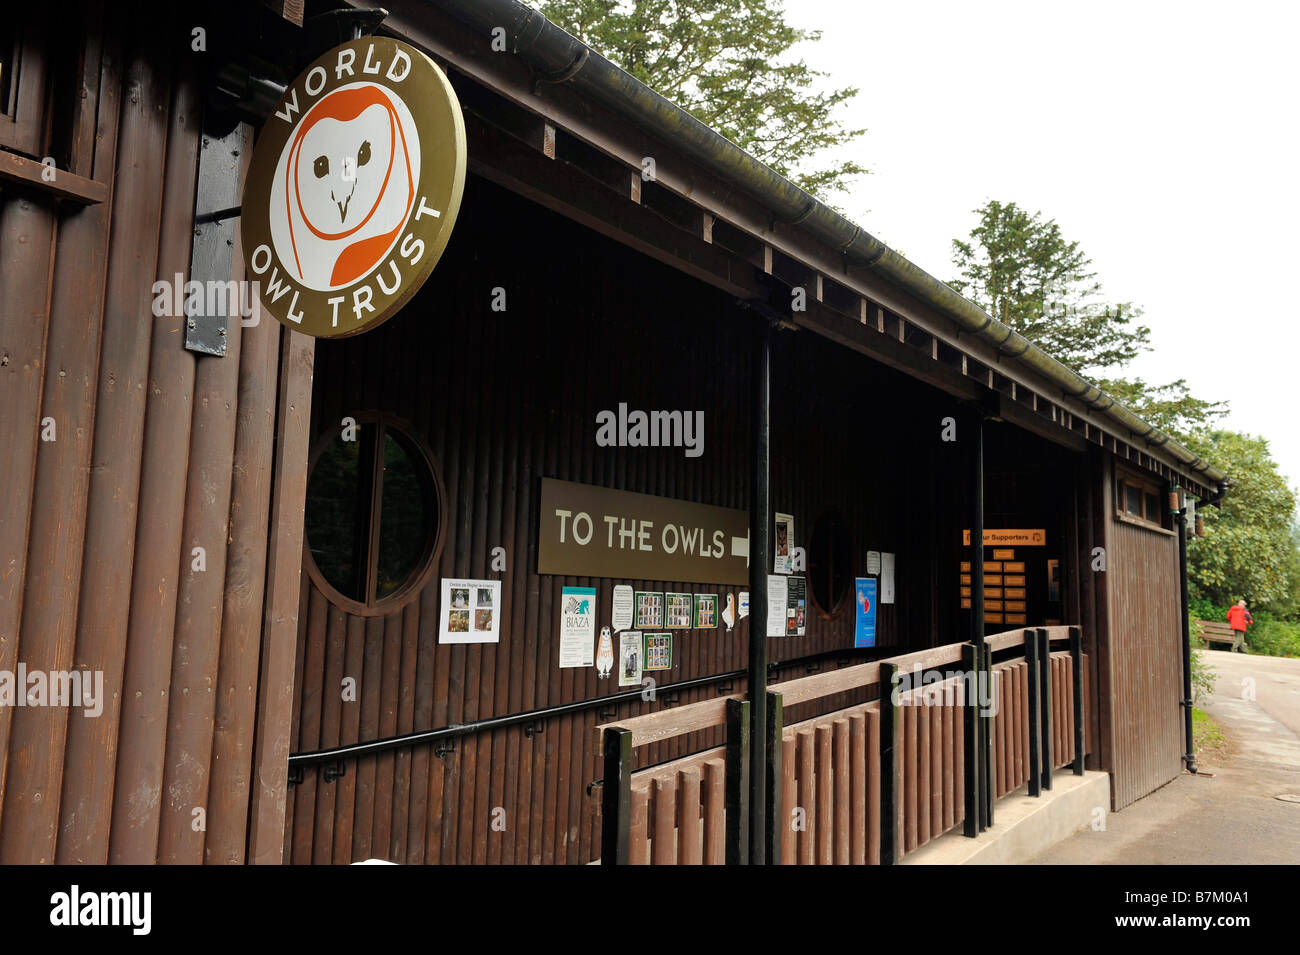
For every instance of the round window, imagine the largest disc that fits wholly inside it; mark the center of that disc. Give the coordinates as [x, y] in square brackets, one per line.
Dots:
[373, 519]
[830, 563]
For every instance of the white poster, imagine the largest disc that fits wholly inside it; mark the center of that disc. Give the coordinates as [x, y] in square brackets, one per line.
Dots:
[744, 604]
[784, 543]
[886, 578]
[470, 611]
[873, 563]
[778, 597]
[577, 626]
[629, 658]
[622, 607]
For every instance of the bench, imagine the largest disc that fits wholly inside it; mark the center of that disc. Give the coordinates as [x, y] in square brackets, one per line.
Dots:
[1212, 632]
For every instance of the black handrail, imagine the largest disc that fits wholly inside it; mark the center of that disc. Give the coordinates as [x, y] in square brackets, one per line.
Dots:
[368, 747]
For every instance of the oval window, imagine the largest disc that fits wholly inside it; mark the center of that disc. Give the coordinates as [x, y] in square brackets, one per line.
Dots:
[373, 518]
[830, 563]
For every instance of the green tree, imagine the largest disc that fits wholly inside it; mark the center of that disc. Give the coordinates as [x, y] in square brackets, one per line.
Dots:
[1249, 547]
[1018, 267]
[1171, 408]
[726, 62]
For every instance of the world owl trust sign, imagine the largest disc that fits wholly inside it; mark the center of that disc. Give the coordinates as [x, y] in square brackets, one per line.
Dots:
[353, 188]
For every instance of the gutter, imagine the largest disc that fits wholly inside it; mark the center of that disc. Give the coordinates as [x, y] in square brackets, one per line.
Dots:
[555, 56]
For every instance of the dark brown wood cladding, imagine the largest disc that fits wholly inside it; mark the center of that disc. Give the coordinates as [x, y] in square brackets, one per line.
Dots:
[154, 453]
[505, 398]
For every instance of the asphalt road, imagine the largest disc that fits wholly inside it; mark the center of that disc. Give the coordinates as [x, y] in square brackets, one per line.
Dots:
[1233, 817]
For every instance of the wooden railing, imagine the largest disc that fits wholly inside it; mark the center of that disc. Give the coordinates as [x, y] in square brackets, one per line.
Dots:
[864, 784]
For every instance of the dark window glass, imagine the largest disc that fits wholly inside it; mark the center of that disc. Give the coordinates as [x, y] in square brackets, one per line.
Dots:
[404, 519]
[830, 563]
[1153, 507]
[8, 61]
[1134, 501]
[337, 511]
[344, 506]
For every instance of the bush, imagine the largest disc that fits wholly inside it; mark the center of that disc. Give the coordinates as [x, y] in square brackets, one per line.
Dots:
[1272, 637]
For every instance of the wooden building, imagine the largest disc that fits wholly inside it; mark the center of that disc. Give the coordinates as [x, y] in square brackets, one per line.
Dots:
[186, 517]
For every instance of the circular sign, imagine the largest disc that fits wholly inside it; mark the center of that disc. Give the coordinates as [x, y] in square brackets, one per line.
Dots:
[353, 188]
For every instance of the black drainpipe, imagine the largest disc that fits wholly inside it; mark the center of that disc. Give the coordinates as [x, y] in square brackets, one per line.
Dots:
[1181, 518]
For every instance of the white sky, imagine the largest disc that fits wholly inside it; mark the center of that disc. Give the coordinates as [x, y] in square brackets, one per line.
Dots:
[1161, 136]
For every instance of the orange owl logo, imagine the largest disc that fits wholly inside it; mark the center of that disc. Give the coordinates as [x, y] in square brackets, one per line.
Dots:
[349, 186]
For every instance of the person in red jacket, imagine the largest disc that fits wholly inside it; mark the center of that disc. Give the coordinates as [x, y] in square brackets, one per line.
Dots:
[1239, 619]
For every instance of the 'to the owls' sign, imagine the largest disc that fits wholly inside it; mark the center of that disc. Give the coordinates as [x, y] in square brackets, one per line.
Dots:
[353, 188]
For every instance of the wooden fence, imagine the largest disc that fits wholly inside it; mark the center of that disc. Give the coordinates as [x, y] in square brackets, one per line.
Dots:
[859, 785]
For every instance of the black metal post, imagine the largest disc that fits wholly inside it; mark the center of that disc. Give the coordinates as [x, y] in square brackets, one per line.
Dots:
[616, 798]
[1189, 758]
[977, 618]
[1045, 701]
[890, 726]
[1076, 664]
[775, 780]
[737, 776]
[1035, 734]
[987, 717]
[970, 741]
[759, 516]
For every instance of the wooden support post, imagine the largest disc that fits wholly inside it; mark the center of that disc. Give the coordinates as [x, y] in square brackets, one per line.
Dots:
[1076, 664]
[738, 787]
[970, 741]
[889, 732]
[1045, 701]
[776, 821]
[616, 798]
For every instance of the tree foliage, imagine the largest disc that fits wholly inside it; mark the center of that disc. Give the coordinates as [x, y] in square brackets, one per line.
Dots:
[1250, 545]
[726, 62]
[1172, 408]
[1018, 267]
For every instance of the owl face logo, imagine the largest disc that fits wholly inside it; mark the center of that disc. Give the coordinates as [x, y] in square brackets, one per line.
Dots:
[348, 184]
[353, 188]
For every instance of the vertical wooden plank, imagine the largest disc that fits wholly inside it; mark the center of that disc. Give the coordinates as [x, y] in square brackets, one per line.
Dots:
[789, 799]
[639, 837]
[381, 846]
[948, 763]
[689, 833]
[405, 724]
[935, 712]
[331, 706]
[284, 565]
[873, 787]
[921, 710]
[841, 770]
[858, 789]
[664, 821]
[715, 823]
[370, 692]
[825, 814]
[805, 805]
[908, 804]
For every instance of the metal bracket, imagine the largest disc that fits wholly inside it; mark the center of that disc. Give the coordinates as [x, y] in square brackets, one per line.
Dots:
[335, 770]
[212, 250]
[724, 688]
[670, 699]
[296, 775]
[533, 728]
[594, 785]
[607, 714]
[444, 748]
[812, 667]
